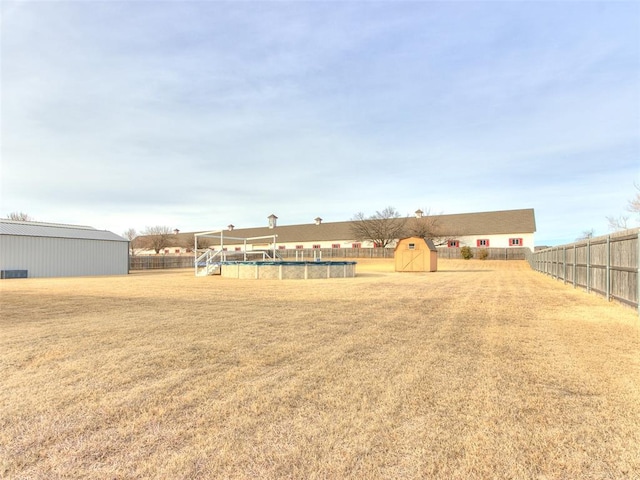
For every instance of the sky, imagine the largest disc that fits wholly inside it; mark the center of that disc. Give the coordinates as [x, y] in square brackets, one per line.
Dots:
[198, 114]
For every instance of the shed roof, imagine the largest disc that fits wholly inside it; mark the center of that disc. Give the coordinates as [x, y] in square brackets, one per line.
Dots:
[56, 230]
[480, 223]
[428, 242]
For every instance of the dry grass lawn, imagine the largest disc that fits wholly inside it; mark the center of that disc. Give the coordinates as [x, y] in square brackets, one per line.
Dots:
[482, 370]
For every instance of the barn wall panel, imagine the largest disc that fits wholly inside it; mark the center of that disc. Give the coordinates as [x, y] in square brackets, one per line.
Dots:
[63, 257]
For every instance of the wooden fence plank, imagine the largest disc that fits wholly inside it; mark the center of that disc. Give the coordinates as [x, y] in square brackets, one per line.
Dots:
[607, 265]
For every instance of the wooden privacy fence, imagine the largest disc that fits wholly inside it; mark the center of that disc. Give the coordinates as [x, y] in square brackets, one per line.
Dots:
[508, 253]
[156, 262]
[607, 265]
[329, 253]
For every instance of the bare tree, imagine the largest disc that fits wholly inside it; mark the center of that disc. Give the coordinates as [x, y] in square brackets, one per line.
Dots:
[587, 234]
[20, 217]
[619, 223]
[382, 229]
[135, 241]
[158, 237]
[203, 243]
[634, 203]
[622, 222]
[426, 225]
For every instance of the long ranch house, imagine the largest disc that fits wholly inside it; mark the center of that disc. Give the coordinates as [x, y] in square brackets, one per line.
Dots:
[498, 229]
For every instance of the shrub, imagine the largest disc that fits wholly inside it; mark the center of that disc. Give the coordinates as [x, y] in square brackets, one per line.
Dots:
[482, 254]
[466, 253]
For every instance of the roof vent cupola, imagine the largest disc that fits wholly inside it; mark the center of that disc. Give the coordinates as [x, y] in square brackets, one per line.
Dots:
[318, 220]
[231, 226]
[272, 221]
[419, 213]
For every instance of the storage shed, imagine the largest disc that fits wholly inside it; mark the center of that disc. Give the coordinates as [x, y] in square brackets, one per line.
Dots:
[416, 254]
[34, 249]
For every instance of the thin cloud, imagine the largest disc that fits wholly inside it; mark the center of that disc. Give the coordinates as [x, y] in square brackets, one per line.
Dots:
[209, 113]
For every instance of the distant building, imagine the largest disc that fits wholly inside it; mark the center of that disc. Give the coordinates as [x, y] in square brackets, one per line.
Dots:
[35, 249]
[499, 229]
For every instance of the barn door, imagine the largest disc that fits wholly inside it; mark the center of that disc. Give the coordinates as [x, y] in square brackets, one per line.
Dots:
[413, 261]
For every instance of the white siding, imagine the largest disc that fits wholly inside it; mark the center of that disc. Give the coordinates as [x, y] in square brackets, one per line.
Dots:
[292, 245]
[63, 257]
[498, 241]
[495, 241]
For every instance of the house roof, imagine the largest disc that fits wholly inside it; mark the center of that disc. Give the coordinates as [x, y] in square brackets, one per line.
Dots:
[55, 230]
[480, 223]
[489, 223]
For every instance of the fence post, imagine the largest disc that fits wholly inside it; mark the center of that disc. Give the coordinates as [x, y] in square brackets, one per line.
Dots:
[575, 255]
[608, 274]
[564, 264]
[638, 275]
[589, 265]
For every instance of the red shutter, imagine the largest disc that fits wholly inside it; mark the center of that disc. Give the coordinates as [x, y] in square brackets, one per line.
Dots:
[487, 243]
[511, 242]
[521, 242]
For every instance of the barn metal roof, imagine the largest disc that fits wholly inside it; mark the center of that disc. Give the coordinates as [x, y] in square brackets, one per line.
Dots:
[56, 230]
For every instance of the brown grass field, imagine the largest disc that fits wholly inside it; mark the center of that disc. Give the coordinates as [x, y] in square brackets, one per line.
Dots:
[482, 370]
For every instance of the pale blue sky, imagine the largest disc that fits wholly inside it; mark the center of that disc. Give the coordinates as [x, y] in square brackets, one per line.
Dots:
[199, 114]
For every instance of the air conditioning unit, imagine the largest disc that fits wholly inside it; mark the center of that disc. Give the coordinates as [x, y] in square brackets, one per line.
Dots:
[14, 274]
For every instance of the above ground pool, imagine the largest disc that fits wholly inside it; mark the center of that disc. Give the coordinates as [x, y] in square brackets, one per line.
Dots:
[287, 270]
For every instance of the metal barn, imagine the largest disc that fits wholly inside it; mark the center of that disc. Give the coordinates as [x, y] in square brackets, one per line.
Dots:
[34, 249]
[415, 254]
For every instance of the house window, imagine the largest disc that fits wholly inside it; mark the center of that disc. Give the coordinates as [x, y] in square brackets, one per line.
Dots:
[377, 245]
[299, 247]
[515, 242]
[238, 249]
[453, 243]
[177, 250]
[316, 245]
[335, 245]
[412, 246]
[484, 242]
[166, 250]
[356, 245]
[282, 247]
[224, 249]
